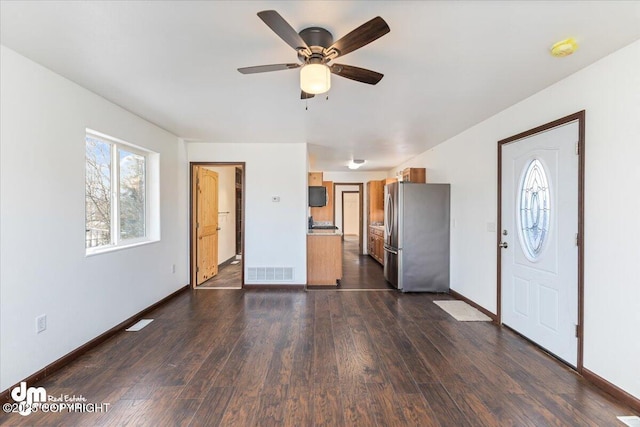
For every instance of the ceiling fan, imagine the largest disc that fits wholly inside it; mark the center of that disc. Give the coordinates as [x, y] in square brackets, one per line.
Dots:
[316, 49]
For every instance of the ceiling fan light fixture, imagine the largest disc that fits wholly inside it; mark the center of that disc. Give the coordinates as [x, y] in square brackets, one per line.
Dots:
[315, 78]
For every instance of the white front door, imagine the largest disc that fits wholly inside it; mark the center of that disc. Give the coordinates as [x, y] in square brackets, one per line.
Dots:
[539, 259]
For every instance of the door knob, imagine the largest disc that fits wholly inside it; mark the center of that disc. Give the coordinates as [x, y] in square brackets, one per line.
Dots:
[503, 245]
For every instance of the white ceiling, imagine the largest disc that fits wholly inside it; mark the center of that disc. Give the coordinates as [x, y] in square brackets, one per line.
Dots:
[447, 64]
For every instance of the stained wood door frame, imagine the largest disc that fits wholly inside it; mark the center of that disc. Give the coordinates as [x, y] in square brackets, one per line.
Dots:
[193, 212]
[360, 186]
[580, 117]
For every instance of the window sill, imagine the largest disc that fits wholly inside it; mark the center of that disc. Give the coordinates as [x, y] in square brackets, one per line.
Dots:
[107, 249]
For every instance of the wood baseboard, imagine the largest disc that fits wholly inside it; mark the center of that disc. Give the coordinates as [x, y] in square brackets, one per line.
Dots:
[613, 390]
[461, 297]
[69, 357]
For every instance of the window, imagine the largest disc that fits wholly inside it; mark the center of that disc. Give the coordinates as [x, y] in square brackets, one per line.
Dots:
[535, 209]
[116, 193]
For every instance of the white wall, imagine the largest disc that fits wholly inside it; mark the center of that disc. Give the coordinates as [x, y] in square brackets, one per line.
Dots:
[354, 177]
[351, 213]
[275, 232]
[226, 203]
[44, 267]
[609, 91]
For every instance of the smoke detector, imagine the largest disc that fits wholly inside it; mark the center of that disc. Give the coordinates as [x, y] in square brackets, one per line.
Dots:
[564, 48]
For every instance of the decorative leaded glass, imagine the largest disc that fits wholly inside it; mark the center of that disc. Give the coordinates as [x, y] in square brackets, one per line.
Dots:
[535, 209]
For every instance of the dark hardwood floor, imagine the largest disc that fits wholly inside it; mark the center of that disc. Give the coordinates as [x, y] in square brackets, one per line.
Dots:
[296, 358]
[360, 271]
[229, 276]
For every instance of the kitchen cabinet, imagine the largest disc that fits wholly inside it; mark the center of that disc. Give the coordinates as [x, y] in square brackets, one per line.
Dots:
[375, 202]
[418, 175]
[375, 219]
[325, 213]
[324, 258]
[315, 178]
[376, 243]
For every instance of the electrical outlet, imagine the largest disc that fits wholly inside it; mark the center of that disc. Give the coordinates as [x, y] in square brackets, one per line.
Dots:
[41, 323]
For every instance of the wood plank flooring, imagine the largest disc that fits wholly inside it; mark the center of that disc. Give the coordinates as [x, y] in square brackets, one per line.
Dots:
[323, 358]
[360, 271]
[229, 276]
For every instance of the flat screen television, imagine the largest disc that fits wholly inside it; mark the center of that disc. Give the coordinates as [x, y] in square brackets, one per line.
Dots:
[317, 196]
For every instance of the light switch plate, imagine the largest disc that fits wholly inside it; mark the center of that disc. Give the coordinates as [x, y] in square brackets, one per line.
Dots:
[41, 323]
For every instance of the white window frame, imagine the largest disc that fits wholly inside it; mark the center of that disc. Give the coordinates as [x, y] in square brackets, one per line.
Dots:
[151, 189]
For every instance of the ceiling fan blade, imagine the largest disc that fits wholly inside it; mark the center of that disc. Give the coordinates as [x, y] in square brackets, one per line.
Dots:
[267, 68]
[356, 73]
[284, 30]
[361, 36]
[305, 95]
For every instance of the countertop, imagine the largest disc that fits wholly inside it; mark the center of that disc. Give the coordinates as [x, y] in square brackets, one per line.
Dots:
[378, 227]
[321, 232]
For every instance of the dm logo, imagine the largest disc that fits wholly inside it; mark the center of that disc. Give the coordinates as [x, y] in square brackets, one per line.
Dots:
[27, 396]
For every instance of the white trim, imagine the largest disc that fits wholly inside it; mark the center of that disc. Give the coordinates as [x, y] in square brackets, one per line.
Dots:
[142, 151]
[113, 248]
[151, 192]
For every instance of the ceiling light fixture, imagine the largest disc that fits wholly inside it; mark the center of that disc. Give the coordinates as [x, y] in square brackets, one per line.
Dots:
[315, 78]
[355, 164]
[564, 48]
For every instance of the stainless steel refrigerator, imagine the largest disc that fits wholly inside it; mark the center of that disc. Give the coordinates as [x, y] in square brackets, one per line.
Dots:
[416, 236]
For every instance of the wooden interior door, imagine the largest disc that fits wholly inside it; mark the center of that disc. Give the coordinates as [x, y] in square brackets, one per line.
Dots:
[350, 213]
[206, 224]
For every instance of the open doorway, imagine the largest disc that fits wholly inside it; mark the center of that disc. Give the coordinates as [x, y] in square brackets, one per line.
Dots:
[217, 225]
[359, 271]
[353, 213]
[351, 216]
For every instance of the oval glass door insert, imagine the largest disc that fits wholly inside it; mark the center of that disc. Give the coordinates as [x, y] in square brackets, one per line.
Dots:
[535, 209]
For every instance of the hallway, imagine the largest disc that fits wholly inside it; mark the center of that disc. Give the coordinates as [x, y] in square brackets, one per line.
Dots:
[360, 271]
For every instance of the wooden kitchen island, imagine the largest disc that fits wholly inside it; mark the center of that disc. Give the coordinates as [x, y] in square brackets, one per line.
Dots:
[324, 258]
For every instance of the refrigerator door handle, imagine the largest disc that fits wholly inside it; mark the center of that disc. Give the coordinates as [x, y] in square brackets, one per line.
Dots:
[386, 249]
[389, 215]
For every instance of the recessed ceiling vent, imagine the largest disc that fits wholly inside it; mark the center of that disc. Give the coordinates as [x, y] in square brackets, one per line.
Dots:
[269, 274]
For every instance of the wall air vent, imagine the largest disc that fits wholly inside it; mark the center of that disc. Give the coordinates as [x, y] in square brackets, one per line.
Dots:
[269, 274]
